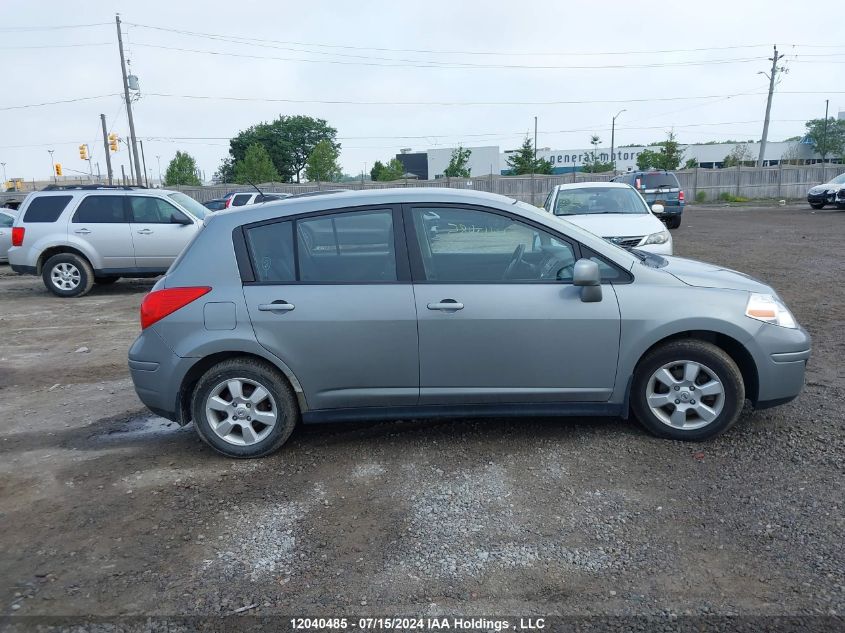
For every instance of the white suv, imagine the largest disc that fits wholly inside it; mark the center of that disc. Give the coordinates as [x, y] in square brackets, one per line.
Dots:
[75, 237]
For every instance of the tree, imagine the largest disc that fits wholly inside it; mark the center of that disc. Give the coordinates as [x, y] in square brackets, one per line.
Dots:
[691, 163]
[668, 156]
[289, 140]
[647, 159]
[739, 155]
[392, 171]
[457, 167]
[522, 161]
[322, 164]
[226, 171]
[595, 165]
[256, 166]
[827, 140]
[182, 170]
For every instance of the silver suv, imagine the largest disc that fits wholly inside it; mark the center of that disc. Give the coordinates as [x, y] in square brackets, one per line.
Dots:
[75, 237]
[406, 303]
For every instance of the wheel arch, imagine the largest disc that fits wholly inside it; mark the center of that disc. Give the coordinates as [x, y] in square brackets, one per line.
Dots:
[732, 347]
[205, 363]
[50, 251]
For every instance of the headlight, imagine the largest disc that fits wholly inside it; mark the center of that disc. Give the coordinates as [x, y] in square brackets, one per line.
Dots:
[770, 309]
[657, 238]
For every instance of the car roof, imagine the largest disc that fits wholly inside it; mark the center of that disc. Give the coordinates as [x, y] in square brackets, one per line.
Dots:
[593, 185]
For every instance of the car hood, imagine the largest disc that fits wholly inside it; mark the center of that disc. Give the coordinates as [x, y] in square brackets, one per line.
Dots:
[617, 224]
[828, 186]
[704, 275]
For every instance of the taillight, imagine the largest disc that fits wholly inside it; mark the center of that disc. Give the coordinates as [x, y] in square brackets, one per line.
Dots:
[17, 235]
[159, 303]
[680, 196]
[229, 202]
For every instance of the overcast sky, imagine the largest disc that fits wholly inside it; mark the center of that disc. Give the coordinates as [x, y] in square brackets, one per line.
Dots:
[419, 53]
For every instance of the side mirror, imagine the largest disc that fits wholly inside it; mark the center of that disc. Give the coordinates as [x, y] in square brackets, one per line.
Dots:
[657, 208]
[588, 276]
[178, 218]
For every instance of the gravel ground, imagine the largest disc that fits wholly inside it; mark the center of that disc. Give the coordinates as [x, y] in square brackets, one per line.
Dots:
[108, 510]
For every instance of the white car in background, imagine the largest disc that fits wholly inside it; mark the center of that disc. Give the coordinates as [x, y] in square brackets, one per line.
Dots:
[614, 211]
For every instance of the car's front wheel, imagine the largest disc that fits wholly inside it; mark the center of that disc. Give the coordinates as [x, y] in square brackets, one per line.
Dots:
[674, 222]
[244, 408]
[687, 390]
[67, 275]
[817, 205]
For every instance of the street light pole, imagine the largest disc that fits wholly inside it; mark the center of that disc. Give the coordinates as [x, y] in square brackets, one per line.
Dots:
[53, 165]
[4, 174]
[158, 159]
[613, 140]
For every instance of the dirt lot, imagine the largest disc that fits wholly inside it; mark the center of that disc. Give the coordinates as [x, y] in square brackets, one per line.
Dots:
[105, 509]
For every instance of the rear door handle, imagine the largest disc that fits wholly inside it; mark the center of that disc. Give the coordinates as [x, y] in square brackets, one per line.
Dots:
[446, 305]
[82, 231]
[145, 231]
[276, 306]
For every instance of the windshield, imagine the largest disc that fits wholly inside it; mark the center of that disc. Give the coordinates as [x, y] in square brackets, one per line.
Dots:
[188, 203]
[594, 200]
[839, 180]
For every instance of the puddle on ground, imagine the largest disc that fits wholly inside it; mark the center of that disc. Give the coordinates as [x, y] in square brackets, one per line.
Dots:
[143, 426]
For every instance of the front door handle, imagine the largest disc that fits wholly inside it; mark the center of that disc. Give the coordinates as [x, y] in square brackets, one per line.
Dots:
[277, 306]
[82, 231]
[446, 305]
[145, 232]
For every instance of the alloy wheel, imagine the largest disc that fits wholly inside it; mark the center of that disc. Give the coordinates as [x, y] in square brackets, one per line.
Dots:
[65, 276]
[685, 394]
[241, 411]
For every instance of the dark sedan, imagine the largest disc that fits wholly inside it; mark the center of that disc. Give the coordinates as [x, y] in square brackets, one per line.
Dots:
[217, 204]
[832, 192]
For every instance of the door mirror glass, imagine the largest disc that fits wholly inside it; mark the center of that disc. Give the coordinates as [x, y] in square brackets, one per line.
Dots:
[657, 208]
[586, 274]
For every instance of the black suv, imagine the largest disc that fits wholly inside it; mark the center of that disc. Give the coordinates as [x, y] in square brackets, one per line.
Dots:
[658, 187]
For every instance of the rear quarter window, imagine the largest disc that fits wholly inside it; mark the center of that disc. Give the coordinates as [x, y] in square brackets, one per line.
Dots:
[46, 208]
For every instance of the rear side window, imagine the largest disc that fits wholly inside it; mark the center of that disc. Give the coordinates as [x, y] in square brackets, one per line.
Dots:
[6, 220]
[101, 210]
[46, 208]
[241, 199]
[271, 251]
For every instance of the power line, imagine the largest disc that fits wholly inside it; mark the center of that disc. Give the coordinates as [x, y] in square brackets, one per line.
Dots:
[57, 46]
[12, 29]
[60, 101]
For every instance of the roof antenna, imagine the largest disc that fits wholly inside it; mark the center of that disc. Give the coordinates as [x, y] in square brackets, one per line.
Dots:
[256, 186]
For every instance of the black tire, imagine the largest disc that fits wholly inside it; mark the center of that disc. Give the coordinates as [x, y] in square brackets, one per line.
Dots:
[265, 375]
[85, 275]
[817, 205]
[105, 281]
[674, 222]
[716, 361]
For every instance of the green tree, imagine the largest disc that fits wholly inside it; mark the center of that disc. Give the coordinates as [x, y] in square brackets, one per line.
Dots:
[322, 164]
[647, 159]
[668, 155]
[256, 166]
[226, 171]
[457, 167]
[594, 165]
[827, 140]
[739, 155]
[289, 140]
[691, 163]
[182, 170]
[522, 161]
[393, 170]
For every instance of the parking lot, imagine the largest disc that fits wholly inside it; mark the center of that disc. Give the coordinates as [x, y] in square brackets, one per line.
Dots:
[106, 509]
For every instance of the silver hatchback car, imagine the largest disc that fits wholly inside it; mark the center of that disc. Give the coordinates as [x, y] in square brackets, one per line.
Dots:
[436, 302]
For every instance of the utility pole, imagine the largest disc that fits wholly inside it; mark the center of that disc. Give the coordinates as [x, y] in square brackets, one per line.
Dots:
[160, 182]
[613, 140]
[4, 173]
[147, 180]
[534, 162]
[123, 171]
[824, 134]
[772, 75]
[129, 154]
[106, 147]
[134, 148]
[53, 165]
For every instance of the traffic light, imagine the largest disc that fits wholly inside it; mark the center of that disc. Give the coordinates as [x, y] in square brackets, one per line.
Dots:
[83, 152]
[113, 142]
[58, 167]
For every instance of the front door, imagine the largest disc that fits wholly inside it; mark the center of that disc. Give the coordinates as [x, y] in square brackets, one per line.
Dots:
[100, 223]
[499, 319]
[337, 306]
[159, 231]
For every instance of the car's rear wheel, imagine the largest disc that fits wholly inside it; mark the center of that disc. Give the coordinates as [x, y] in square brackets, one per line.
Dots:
[68, 275]
[105, 281]
[674, 222]
[244, 408]
[817, 205]
[687, 390]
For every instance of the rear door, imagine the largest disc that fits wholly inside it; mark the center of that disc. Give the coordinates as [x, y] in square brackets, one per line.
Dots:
[331, 296]
[101, 224]
[158, 231]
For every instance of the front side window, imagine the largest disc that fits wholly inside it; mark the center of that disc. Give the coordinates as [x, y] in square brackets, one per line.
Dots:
[271, 251]
[149, 210]
[352, 247]
[46, 208]
[100, 210]
[473, 246]
[597, 200]
[187, 202]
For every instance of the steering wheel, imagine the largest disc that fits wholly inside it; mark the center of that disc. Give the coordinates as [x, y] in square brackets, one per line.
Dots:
[516, 260]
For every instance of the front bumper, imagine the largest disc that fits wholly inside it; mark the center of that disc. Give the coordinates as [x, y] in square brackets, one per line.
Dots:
[781, 356]
[828, 196]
